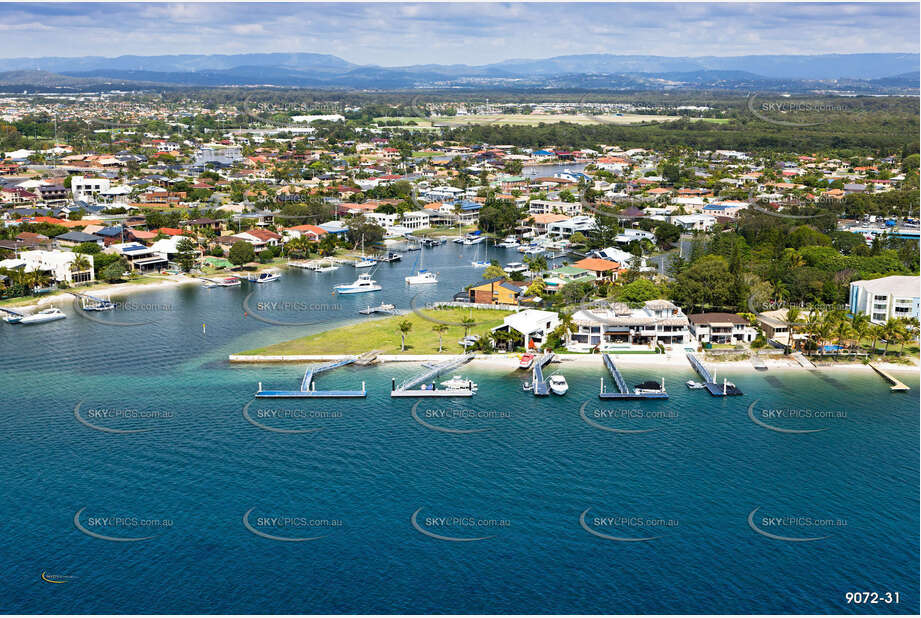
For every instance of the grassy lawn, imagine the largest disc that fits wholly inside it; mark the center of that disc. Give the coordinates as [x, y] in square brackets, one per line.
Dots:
[383, 334]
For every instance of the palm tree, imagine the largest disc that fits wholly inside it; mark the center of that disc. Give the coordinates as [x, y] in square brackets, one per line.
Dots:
[405, 326]
[860, 324]
[890, 332]
[877, 331]
[843, 331]
[440, 329]
[468, 323]
[793, 314]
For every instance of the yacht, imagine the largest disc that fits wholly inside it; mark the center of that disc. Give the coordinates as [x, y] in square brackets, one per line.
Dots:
[45, 315]
[364, 283]
[474, 238]
[515, 267]
[422, 276]
[365, 263]
[558, 384]
[510, 242]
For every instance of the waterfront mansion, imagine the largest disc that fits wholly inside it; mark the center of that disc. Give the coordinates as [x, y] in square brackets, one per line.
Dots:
[611, 326]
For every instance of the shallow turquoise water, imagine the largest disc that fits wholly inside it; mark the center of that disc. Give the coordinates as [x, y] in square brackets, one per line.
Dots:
[523, 482]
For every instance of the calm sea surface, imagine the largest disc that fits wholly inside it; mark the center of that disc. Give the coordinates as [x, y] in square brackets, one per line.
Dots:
[386, 504]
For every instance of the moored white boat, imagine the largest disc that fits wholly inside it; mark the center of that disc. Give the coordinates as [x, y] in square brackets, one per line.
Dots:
[364, 283]
[691, 384]
[458, 382]
[510, 242]
[45, 315]
[526, 361]
[558, 384]
[422, 276]
[515, 267]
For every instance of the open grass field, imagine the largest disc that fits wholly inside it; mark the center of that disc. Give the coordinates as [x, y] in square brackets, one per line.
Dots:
[383, 334]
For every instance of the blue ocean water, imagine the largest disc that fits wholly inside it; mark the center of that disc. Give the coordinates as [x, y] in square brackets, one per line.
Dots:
[198, 466]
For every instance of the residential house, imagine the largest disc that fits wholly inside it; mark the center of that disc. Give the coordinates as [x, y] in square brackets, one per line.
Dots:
[721, 328]
[613, 326]
[533, 325]
[499, 291]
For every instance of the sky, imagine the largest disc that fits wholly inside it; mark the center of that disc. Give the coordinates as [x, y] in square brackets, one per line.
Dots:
[454, 33]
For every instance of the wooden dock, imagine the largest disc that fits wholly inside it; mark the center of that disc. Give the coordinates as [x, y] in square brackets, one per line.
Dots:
[897, 386]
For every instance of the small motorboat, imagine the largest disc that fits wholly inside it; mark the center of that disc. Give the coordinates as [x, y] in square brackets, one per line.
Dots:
[510, 242]
[526, 361]
[45, 315]
[266, 277]
[459, 383]
[365, 263]
[93, 303]
[527, 387]
[691, 384]
[558, 384]
[226, 282]
[364, 283]
[474, 238]
[12, 319]
[423, 276]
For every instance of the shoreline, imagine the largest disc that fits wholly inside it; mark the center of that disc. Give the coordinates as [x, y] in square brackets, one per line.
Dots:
[110, 289]
[511, 361]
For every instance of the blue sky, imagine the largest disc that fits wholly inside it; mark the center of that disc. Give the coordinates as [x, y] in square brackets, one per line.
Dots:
[448, 33]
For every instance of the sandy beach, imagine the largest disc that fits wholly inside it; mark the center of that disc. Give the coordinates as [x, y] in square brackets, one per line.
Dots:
[114, 289]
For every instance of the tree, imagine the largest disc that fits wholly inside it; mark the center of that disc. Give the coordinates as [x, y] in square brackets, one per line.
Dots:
[468, 323]
[440, 329]
[638, 292]
[493, 271]
[793, 315]
[706, 282]
[241, 252]
[114, 271]
[404, 327]
[186, 252]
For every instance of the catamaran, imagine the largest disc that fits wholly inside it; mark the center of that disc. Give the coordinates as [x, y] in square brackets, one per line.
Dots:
[364, 283]
[45, 315]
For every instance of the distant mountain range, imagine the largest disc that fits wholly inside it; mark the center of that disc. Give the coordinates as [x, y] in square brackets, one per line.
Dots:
[857, 72]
